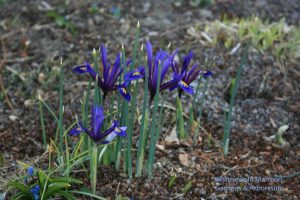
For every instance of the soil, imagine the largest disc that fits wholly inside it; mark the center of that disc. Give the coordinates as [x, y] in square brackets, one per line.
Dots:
[32, 44]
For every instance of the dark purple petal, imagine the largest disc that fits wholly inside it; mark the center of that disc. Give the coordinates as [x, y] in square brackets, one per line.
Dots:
[108, 131]
[185, 87]
[186, 61]
[114, 72]
[81, 69]
[97, 119]
[128, 62]
[135, 74]
[169, 84]
[207, 73]
[149, 56]
[173, 87]
[124, 93]
[166, 65]
[191, 72]
[77, 129]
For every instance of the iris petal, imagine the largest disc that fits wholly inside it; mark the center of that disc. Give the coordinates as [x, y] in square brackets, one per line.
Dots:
[185, 87]
[207, 73]
[77, 129]
[118, 131]
[135, 74]
[97, 119]
[124, 93]
[149, 56]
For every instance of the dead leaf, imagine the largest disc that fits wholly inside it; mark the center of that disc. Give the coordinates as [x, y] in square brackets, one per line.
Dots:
[184, 159]
[171, 139]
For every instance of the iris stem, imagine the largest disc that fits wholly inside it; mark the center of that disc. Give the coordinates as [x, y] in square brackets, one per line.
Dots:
[181, 131]
[153, 126]
[42, 123]
[94, 167]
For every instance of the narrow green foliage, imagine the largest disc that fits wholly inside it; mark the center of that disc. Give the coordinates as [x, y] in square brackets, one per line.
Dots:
[42, 122]
[49, 109]
[181, 131]
[61, 99]
[143, 128]
[136, 44]
[153, 128]
[94, 167]
[200, 112]
[132, 106]
[85, 111]
[227, 122]
[118, 154]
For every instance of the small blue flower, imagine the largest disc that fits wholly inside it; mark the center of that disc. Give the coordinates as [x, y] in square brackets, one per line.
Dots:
[30, 171]
[96, 125]
[35, 191]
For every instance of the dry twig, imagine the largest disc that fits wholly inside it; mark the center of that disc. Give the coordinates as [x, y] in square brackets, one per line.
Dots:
[2, 87]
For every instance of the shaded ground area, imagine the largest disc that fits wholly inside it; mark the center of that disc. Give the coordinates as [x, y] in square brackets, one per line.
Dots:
[32, 43]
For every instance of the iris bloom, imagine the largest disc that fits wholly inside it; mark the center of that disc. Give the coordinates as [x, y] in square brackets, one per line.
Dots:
[187, 76]
[110, 77]
[96, 124]
[161, 58]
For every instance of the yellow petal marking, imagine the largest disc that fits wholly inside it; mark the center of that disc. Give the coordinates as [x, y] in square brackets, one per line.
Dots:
[118, 130]
[124, 90]
[184, 84]
[136, 74]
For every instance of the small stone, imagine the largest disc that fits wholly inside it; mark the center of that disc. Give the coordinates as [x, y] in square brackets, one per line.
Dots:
[41, 78]
[123, 175]
[13, 117]
[28, 102]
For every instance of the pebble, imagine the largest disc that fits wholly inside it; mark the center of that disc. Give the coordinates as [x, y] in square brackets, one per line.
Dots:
[13, 117]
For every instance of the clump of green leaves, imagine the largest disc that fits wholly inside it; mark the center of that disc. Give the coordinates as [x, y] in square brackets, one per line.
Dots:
[36, 184]
[282, 40]
[62, 21]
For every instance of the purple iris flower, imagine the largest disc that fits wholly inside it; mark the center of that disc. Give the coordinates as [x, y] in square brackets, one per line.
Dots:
[161, 58]
[110, 75]
[187, 76]
[96, 124]
[35, 191]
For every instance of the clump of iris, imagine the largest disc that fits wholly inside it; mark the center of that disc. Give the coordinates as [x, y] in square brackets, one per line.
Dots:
[161, 59]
